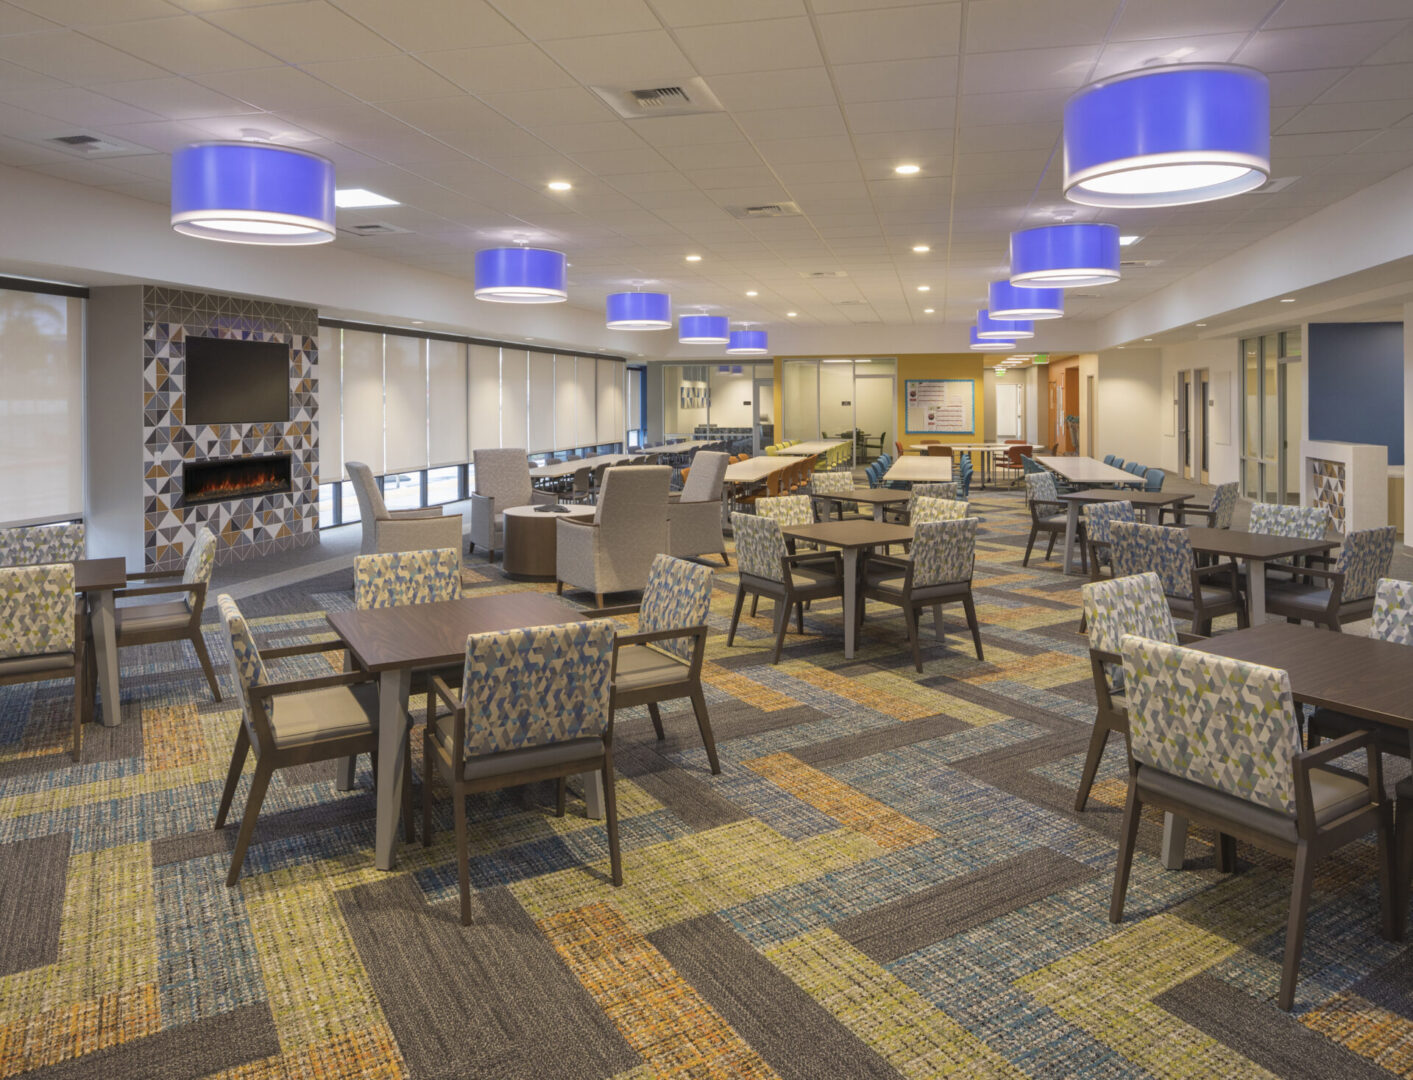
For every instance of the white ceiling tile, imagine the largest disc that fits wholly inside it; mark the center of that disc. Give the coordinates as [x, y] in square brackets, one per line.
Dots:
[164, 136]
[764, 45]
[787, 123]
[433, 24]
[819, 171]
[987, 137]
[1348, 116]
[175, 99]
[275, 88]
[1020, 107]
[901, 33]
[1286, 147]
[459, 112]
[14, 20]
[918, 114]
[1315, 12]
[498, 136]
[303, 33]
[1378, 82]
[14, 77]
[585, 138]
[618, 162]
[709, 178]
[78, 107]
[792, 88]
[97, 12]
[643, 59]
[1302, 87]
[1316, 46]
[1164, 19]
[570, 105]
[1003, 25]
[185, 45]
[896, 80]
[70, 57]
[1122, 56]
[641, 183]
[499, 68]
[688, 130]
[546, 20]
[1380, 164]
[922, 147]
[387, 78]
[712, 155]
[1398, 50]
[697, 13]
[818, 148]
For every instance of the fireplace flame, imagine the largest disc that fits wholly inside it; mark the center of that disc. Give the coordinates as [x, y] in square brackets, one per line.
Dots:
[236, 480]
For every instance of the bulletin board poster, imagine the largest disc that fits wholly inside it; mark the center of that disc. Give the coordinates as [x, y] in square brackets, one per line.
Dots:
[940, 406]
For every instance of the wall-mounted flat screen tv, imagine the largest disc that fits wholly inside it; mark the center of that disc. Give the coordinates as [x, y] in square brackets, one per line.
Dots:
[236, 382]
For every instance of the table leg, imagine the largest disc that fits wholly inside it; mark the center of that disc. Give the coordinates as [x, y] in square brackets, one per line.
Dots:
[104, 615]
[1174, 841]
[1152, 515]
[593, 794]
[347, 767]
[1256, 591]
[877, 511]
[851, 573]
[393, 688]
[1071, 531]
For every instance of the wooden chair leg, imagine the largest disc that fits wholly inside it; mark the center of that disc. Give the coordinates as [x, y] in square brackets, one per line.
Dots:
[1225, 854]
[704, 725]
[1029, 544]
[782, 623]
[1295, 925]
[429, 767]
[561, 792]
[258, 785]
[910, 617]
[725, 560]
[598, 599]
[1050, 546]
[1390, 891]
[969, 605]
[755, 600]
[242, 746]
[657, 720]
[463, 857]
[1098, 739]
[1403, 865]
[559, 588]
[199, 644]
[736, 615]
[800, 618]
[1128, 837]
[610, 814]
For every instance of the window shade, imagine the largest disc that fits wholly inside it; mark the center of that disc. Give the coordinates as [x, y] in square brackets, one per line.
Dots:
[513, 397]
[405, 397]
[610, 402]
[330, 405]
[446, 402]
[363, 398]
[566, 405]
[541, 403]
[585, 421]
[483, 402]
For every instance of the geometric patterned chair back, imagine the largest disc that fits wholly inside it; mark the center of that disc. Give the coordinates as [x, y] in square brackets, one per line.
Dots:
[1099, 516]
[1393, 612]
[1222, 723]
[937, 491]
[1165, 551]
[406, 577]
[944, 551]
[760, 546]
[831, 482]
[1126, 605]
[33, 545]
[537, 685]
[929, 508]
[36, 610]
[1040, 487]
[1364, 558]
[678, 594]
[787, 509]
[199, 562]
[246, 665]
[1293, 522]
[1222, 505]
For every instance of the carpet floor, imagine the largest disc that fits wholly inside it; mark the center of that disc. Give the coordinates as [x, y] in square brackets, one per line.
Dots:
[886, 879]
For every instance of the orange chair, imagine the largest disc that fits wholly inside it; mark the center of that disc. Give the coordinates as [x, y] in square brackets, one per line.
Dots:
[934, 450]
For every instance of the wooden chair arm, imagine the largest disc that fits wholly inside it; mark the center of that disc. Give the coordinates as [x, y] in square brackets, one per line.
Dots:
[138, 575]
[299, 686]
[612, 612]
[307, 649]
[1185, 638]
[439, 688]
[1308, 759]
[157, 590]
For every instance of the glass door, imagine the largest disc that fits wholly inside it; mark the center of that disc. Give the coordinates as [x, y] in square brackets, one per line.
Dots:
[763, 418]
[1270, 417]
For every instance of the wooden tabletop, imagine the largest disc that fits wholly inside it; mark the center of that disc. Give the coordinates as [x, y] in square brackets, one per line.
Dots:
[418, 635]
[1362, 676]
[1138, 498]
[1086, 470]
[814, 446]
[923, 470]
[872, 496]
[1245, 545]
[755, 469]
[569, 468]
[94, 575]
[858, 533]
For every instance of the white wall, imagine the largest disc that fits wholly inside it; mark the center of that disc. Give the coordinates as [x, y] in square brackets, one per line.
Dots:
[1130, 404]
[1407, 420]
[1218, 356]
[1035, 377]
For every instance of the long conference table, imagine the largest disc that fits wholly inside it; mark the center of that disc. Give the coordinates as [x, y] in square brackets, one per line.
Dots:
[813, 446]
[920, 470]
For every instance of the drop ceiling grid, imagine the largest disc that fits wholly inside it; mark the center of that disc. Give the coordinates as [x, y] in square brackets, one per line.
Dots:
[463, 109]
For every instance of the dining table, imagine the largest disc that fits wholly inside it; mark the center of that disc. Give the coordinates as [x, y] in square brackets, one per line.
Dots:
[1151, 502]
[851, 538]
[1085, 471]
[920, 470]
[878, 498]
[99, 580]
[1255, 550]
[392, 642]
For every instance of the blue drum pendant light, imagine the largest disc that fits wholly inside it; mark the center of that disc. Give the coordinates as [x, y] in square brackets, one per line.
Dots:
[1008, 301]
[1167, 136]
[1065, 256]
[748, 343]
[252, 193]
[703, 329]
[639, 311]
[521, 275]
[981, 344]
[990, 328]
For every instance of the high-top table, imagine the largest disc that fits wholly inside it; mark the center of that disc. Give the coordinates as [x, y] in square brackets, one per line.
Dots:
[878, 498]
[99, 580]
[1151, 501]
[920, 470]
[851, 537]
[392, 641]
[1255, 550]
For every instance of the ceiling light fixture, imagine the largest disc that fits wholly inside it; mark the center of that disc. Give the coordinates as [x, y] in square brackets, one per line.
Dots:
[994, 329]
[921, 249]
[981, 344]
[907, 169]
[560, 185]
[1199, 324]
[1129, 241]
[694, 258]
[928, 310]
[1168, 136]
[1287, 300]
[639, 311]
[752, 292]
[522, 275]
[924, 288]
[1007, 301]
[252, 193]
[703, 329]
[1065, 256]
[748, 343]
[791, 314]
[357, 198]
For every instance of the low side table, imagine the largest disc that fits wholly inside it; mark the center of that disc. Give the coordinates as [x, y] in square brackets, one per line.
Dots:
[529, 552]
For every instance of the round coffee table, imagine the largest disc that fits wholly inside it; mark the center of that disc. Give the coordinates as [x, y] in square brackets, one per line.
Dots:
[530, 541]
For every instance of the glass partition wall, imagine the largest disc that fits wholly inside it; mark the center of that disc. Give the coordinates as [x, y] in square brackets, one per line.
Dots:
[1270, 417]
[853, 400]
[731, 402]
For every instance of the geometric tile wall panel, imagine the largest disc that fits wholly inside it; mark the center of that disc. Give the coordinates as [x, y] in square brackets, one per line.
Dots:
[1327, 479]
[243, 527]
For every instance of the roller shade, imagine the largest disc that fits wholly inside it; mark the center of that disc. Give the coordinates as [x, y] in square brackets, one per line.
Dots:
[446, 403]
[363, 399]
[483, 400]
[330, 404]
[541, 403]
[405, 402]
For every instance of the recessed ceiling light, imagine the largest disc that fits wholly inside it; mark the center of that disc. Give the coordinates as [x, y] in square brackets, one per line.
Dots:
[1129, 241]
[907, 170]
[1148, 339]
[752, 292]
[921, 249]
[791, 314]
[924, 288]
[1199, 324]
[694, 258]
[354, 198]
[928, 310]
[416, 322]
[1287, 299]
[560, 185]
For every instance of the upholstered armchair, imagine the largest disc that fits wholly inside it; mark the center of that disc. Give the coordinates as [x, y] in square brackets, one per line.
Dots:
[34, 545]
[1297, 522]
[1216, 740]
[1048, 515]
[1197, 593]
[767, 568]
[694, 513]
[930, 508]
[502, 481]
[788, 510]
[1216, 515]
[41, 634]
[1341, 594]
[398, 530]
[940, 490]
[536, 704]
[614, 551]
[831, 485]
[394, 579]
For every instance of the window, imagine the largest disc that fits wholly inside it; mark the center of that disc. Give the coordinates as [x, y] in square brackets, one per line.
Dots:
[443, 485]
[403, 491]
[328, 508]
[348, 505]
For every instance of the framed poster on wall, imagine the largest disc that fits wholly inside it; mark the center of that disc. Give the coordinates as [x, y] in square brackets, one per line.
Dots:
[940, 406]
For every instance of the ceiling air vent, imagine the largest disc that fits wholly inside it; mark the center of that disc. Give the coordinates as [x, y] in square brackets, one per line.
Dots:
[823, 274]
[371, 228]
[687, 97]
[769, 210]
[84, 144]
[1139, 262]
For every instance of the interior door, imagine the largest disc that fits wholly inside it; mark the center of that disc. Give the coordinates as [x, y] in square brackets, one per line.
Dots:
[1203, 418]
[1184, 424]
[1009, 422]
[876, 410]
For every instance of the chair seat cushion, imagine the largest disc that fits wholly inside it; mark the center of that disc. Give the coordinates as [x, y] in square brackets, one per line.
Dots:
[1055, 521]
[1405, 788]
[331, 713]
[61, 664]
[1214, 599]
[146, 618]
[641, 667]
[811, 580]
[1333, 794]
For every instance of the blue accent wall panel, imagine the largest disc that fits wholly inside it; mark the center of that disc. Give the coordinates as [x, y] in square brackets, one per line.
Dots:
[1356, 384]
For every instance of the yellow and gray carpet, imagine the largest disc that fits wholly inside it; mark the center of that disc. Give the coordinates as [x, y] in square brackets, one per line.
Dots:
[885, 880]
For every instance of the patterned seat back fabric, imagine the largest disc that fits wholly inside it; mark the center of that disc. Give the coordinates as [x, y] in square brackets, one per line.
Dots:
[760, 547]
[832, 483]
[406, 577]
[1126, 605]
[1296, 522]
[787, 509]
[503, 474]
[1393, 612]
[1167, 552]
[1099, 516]
[537, 685]
[1223, 505]
[1364, 558]
[936, 491]
[36, 610]
[1222, 723]
[944, 551]
[33, 545]
[927, 508]
[199, 562]
[1040, 488]
[246, 665]
[678, 594]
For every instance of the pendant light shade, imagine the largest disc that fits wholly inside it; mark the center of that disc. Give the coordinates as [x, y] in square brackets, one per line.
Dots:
[1009, 301]
[1167, 136]
[748, 343]
[521, 275]
[703, 329]
[1065, 256]
[990, 328]
[981, 344]
[252, 193]
[639, 311]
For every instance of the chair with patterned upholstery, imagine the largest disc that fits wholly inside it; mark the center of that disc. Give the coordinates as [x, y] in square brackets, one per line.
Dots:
[536, 704]
[398, 578]
[1296, 522]
[42, 634]
[176, 619]
[788, 510]
[663, 660]
[1344, 593]
[1216, 515]
[928, 508]
[1097, 518]
[502, 477]
[938, 571]
[1217, 741]
[294, 722]
[694, 513]
[35, 545]
[1197, 593]
[767, 568]
[398, 530]
[941, 490]
[1048, 515]
[835, 484]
